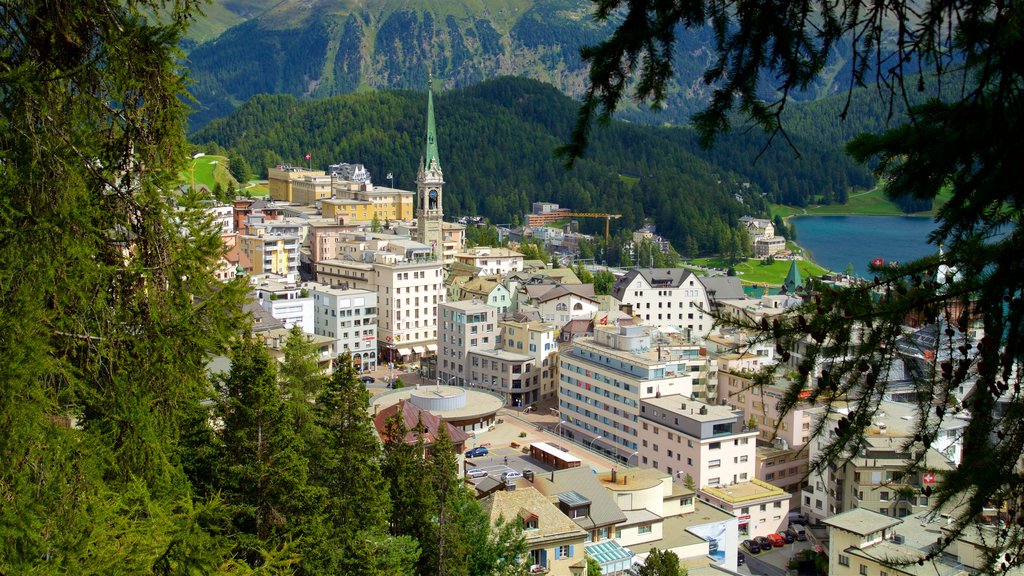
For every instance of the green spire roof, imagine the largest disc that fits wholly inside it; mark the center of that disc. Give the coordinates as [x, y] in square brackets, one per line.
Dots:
[793, 280]
[430, 152]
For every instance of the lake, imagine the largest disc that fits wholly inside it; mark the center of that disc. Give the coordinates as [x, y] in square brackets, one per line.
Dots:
[837, 241]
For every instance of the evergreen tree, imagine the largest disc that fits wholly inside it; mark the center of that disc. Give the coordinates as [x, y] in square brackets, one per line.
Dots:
[110, 306]
[239, 167]
[301, 379]
[603, 282]
[265, 476]
[413, 500]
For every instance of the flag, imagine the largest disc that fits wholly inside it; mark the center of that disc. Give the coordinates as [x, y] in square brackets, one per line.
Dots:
[604, 320]
[877, 262]
[390, 176]
[308, 156]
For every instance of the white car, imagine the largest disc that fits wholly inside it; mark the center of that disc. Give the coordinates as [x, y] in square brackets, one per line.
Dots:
[510, 475]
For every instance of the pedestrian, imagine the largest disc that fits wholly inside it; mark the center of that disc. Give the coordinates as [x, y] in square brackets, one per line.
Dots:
[506, 460]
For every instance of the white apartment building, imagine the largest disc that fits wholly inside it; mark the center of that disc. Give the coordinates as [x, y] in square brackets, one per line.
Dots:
[285, 300]
[464, 326]
[492, 261]
[408, 293]
[692, 440]
[558, 303]
[348, 315]
[223, 217]
[667, 297]
[603, 378]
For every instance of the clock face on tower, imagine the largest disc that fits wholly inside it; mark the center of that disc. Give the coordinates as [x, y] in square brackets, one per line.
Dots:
[432, 202]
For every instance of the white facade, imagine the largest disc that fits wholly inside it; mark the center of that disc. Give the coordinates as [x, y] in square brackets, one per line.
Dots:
[667, 297]
[492, 261]
[408, 293]
[603, 379]
[463, 327]
[285, 301]
[708, 443]
[349, 316]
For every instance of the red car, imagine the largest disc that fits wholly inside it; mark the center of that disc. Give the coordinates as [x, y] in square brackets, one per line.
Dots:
[777, 540]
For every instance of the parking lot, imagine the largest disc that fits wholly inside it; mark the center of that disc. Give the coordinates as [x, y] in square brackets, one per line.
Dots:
[774, 562]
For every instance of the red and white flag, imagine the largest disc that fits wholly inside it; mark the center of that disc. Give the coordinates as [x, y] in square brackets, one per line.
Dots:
[308, 156]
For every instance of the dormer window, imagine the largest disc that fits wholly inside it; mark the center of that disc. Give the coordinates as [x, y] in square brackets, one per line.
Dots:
[530, 520]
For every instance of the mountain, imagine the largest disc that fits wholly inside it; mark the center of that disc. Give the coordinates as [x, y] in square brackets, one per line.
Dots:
[323, 48]
[496, 142]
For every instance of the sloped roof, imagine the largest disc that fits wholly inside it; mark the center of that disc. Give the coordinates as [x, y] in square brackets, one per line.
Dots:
[411, 416]
[603, 510]
[663, 277]
[725, 287]
[551, 523]
[547, 292]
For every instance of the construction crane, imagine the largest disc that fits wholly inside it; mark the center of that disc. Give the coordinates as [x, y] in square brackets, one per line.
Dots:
[607, 220]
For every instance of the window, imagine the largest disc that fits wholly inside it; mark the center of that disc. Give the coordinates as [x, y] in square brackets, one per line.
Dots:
[764, 507]
[714, 481]
[714, 463]
[644, 529]
[844, 560]
[563, 552]
[883, 496]
[778, 505]
[714, 446]
[864, 570]
[744, 511]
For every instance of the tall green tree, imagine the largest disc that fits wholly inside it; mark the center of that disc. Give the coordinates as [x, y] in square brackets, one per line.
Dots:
[413, 500]
[265, 477]
[966, 140]
[110, 306]
[347, 463]
[301, 379]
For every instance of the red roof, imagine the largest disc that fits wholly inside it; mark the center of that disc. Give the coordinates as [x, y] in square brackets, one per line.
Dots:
[412, 415]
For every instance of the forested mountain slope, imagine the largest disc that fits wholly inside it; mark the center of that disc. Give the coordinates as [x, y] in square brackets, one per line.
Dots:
[324, 48]
[496, 142]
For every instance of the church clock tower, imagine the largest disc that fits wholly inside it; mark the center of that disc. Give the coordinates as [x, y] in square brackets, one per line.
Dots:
[430, 187]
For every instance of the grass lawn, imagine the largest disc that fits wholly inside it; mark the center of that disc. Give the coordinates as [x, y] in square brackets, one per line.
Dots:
[255, 188]
[752, 271]
[207, 171]
[869, 203]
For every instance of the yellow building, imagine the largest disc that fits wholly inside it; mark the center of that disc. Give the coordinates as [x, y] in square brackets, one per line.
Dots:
[281, 181]
[358, 202]
[270, 254]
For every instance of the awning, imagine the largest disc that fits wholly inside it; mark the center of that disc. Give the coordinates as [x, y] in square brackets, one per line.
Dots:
[432, 347]
[403, 351]
[417, 350]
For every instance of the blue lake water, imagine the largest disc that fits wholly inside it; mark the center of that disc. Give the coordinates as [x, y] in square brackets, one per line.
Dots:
[838, 241]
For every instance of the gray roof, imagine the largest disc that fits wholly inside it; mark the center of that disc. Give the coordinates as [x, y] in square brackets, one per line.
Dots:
[583, 482]
[861, 521]
[665, 277]
[725, 287]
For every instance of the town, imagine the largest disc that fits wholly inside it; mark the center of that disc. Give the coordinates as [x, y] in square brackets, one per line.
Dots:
[607, 424]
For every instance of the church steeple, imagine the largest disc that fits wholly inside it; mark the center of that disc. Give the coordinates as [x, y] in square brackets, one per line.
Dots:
[430, 157]
[430, 186]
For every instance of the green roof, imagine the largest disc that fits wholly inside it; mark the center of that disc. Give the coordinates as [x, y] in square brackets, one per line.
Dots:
[610, 555]
[430, 151]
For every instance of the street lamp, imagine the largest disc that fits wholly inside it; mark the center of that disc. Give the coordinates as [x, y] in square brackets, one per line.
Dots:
[630, 456]
[447, 381]
[592, 440]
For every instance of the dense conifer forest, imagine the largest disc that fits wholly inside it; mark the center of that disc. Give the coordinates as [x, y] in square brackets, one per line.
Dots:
[497, 140]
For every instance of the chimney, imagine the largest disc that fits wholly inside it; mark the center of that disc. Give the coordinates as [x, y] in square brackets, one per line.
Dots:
[614, 475]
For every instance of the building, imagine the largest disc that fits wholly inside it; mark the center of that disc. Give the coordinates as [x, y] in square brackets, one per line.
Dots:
[350, 172]
[325, 238]
[254, 211]
[544, 213]
[555, 542]
[492, 261]
[769, 246]
[538, 341]
[602, 380]
[757, 227]
[360, 203]
[864, 542]
[489, 290]
[697, 443]
[472, 411]
[557, 303]
[349, 316]
[408, 289]
[875, 478]
[281, 180]
[285, 300]
[667, 297]
[270, 254]
[760, 508]
[413, 416]
[430, 188]
[464, 326]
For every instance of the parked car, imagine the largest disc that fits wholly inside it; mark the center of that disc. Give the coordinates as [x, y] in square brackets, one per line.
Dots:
[476, 473]
[476, 452]
[787, 537]
[368, 379]
[752, 546]
[777, 540]
[798, 531]
[741, 558]
[510, 475]
[763, 542]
